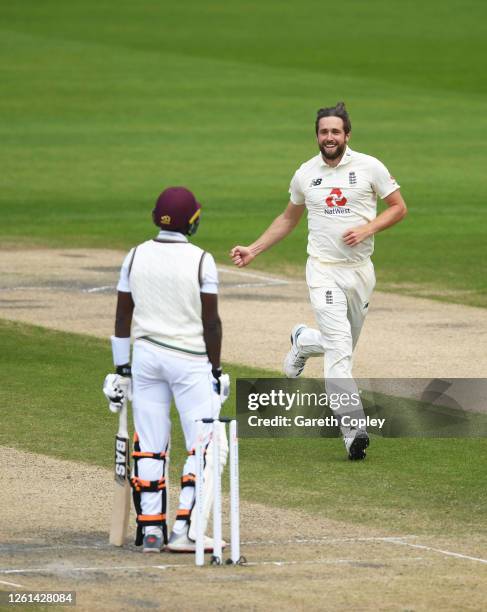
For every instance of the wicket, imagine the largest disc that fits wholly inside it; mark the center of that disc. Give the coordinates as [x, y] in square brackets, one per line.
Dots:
[217, 556]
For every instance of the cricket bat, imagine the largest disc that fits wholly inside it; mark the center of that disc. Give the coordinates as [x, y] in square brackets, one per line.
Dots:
[121, 496]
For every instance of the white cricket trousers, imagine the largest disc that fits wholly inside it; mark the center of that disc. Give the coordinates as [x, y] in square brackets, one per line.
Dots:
[158, 375]
[340, 299]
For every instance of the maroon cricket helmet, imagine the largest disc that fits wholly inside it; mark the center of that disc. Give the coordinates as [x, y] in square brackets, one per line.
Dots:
[177, 210]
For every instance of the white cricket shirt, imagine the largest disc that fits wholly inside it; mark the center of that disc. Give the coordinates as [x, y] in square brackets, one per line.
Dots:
[166, 277]
[338, 199]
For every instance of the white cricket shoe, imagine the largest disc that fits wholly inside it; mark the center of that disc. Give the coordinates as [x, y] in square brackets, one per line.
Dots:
[180, 543]
[295, 361]
[153, 541]
[356, 445]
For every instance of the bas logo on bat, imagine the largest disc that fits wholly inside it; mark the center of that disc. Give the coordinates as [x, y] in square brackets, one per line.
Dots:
[121, 458]
[121, 494]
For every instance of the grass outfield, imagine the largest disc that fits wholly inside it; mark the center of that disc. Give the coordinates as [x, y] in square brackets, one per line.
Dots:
[52, 404]
[105, 103]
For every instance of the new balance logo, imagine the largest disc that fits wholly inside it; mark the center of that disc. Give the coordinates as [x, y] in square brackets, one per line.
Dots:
[352, 178]
[316, 182]
[329, 296]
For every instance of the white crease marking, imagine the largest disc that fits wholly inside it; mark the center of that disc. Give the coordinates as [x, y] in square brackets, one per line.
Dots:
[398, 540]
[447, 553]
[323, 540]
[141, 568]
[262, 277]
[14, 584]
[247, 285]
[99, 289]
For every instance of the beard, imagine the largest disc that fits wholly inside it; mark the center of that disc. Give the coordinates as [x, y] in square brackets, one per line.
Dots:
[338, 152]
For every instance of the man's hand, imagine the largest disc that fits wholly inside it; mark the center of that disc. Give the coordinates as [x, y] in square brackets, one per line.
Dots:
[117, 389]
[282, 225]
[393, 214]
[221, 384]
[241, 256]
[356, 235]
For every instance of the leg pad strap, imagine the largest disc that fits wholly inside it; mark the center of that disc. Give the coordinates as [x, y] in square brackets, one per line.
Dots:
[140, 486]
[188, 480]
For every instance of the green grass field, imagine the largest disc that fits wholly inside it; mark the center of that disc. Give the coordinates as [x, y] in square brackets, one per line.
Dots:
[105, 103]
[53, 405]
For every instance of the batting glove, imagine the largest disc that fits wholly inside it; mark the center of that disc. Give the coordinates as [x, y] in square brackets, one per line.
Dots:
[118, 388]
[221, 384]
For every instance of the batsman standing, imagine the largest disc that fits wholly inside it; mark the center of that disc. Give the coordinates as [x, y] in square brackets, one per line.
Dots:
[339, 189]
[167, 299]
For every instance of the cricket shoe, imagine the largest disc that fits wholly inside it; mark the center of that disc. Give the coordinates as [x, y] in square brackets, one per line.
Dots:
[153, 542]
[181, 543]
[295, 360]
[356, 445]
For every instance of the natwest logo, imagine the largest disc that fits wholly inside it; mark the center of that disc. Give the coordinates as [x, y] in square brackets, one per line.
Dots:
[336, 198]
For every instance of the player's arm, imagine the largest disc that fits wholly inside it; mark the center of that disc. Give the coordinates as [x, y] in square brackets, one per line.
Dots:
[117, 387]
[123, 315]
[277, 230]
[212, 328]
[395, 211]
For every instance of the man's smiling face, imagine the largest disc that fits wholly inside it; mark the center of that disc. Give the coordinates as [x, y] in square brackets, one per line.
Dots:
[331, 137]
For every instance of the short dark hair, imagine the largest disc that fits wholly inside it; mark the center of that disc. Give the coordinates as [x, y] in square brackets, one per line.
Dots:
[338, 110]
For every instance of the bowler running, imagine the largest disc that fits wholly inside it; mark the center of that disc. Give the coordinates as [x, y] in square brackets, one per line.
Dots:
[339, 188]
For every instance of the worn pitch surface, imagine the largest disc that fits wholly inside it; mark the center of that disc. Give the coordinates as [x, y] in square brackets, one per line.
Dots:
[54, 537]
[74, 291]
[56, 513]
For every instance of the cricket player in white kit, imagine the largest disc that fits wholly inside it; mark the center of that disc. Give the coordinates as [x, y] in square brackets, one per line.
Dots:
[167, 300]
[339, 189]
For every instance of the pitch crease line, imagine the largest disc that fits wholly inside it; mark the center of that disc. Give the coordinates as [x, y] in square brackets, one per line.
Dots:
[447, 553]
[99, 289]
[249, 285]
[33, 548]
[190, 566]
[263, 277]
[323, 540]
[14, 584]
[298, 541]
